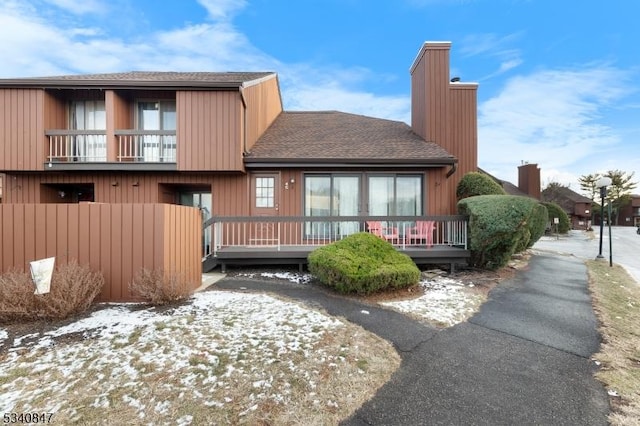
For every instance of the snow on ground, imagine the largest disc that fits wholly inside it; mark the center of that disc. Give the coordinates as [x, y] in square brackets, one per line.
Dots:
[122, 345]
[445, 301]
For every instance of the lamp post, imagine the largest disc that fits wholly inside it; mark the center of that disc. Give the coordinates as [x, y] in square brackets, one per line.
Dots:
[602, 183]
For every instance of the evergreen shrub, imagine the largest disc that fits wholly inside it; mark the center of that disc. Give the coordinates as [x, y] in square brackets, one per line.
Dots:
[501, 225]
[362, 263]
[557, 211]
[475, 183]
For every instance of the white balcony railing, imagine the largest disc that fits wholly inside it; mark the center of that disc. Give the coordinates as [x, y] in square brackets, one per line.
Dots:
[151, 146]
[77, 145]
[274, 233]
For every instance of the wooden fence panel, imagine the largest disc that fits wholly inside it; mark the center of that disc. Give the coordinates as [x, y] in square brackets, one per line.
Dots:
[116, 239]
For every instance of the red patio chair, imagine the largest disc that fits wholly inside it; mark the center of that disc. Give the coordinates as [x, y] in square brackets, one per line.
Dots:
[385, 232]
[423, 231]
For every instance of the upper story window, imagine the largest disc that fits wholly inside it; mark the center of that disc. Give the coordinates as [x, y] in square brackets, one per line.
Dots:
[88, 115]
[85, 145]
[158, 115]
[157, 121]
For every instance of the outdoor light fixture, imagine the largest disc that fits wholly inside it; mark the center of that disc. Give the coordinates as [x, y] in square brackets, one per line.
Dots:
[602, 183]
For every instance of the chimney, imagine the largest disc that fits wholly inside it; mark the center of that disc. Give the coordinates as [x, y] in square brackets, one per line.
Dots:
[529, 179]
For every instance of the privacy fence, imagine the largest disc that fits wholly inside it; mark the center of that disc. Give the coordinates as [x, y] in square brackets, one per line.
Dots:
[116, 239]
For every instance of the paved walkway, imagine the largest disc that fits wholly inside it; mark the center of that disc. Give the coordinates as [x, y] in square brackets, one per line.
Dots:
[522, 359]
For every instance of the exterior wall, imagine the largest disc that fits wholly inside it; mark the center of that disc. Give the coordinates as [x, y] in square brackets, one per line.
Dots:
[209, 130]
[21, 129]
[116, 239]
[445, 113]
[263, 107]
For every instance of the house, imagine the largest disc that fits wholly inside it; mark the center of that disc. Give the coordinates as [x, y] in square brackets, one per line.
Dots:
[261, 176]
[528, 181]
[579, 208]
[629, 214]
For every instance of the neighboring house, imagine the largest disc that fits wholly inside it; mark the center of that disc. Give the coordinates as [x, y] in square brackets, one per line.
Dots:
[528, 181]
[578, 207]
[222, 142]
[630, 214]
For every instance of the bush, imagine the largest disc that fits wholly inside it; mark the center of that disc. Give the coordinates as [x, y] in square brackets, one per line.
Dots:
[73, 289]
[475, 183]
[362, 263]
[501, 225]
[159, 288]
[556, 211]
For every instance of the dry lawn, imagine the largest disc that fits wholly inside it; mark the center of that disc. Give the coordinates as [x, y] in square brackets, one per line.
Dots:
[222, 358]
[616, 298]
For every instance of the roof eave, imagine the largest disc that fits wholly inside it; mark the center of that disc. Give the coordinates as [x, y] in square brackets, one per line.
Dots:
[342, 163]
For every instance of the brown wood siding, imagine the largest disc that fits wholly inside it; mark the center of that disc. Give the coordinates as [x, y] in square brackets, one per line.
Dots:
[231, 196]
[463, 142]
[439, 195]
[209, 131]
[21, 129]
[430, 94]
[263, 107]
[116, 239]
[291, 195]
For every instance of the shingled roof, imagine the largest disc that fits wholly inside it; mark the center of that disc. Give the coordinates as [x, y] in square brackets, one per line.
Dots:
[143, 78]
[564, 197]
[342, 138]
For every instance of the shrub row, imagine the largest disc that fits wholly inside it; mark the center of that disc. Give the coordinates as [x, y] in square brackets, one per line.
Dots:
[73, 288]
[501, 225]
[362, 263]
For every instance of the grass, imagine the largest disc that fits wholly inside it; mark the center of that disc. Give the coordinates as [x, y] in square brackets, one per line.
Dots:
[616, 298]
[207, 378]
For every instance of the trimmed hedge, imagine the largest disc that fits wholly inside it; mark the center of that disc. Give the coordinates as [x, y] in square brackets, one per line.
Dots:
[557, 211]
[362, 263]
[501, 225]
[475, 183]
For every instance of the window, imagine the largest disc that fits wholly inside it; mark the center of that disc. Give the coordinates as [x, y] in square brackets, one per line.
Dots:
[159, 144]
[331, 195]
[395, 195]
[87, 116]
[265, 192]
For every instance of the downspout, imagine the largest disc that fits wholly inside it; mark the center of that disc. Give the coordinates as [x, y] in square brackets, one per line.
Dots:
[244, 122]
[454, 167]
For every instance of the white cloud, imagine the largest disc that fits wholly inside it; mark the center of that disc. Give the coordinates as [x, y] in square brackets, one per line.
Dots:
[493, 46]
[80, 7]
[550, 118]
[223, 9]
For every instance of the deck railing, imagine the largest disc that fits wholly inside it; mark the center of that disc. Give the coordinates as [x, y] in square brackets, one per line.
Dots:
[275, 232]
[77, 145]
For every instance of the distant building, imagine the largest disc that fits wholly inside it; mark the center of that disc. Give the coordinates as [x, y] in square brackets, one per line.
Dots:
[578, 207]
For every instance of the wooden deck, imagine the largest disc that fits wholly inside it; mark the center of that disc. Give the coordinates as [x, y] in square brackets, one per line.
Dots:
[297, 255]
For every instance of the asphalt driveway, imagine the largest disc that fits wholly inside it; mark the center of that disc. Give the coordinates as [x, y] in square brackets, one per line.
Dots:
[522, 359]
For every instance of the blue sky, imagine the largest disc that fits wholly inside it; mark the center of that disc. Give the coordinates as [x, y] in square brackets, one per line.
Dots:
[558, 80]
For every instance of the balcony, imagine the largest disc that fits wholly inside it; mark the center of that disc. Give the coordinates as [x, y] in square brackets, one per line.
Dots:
[281, 240]
[151, 146]
[77, 146]
[90, 150]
